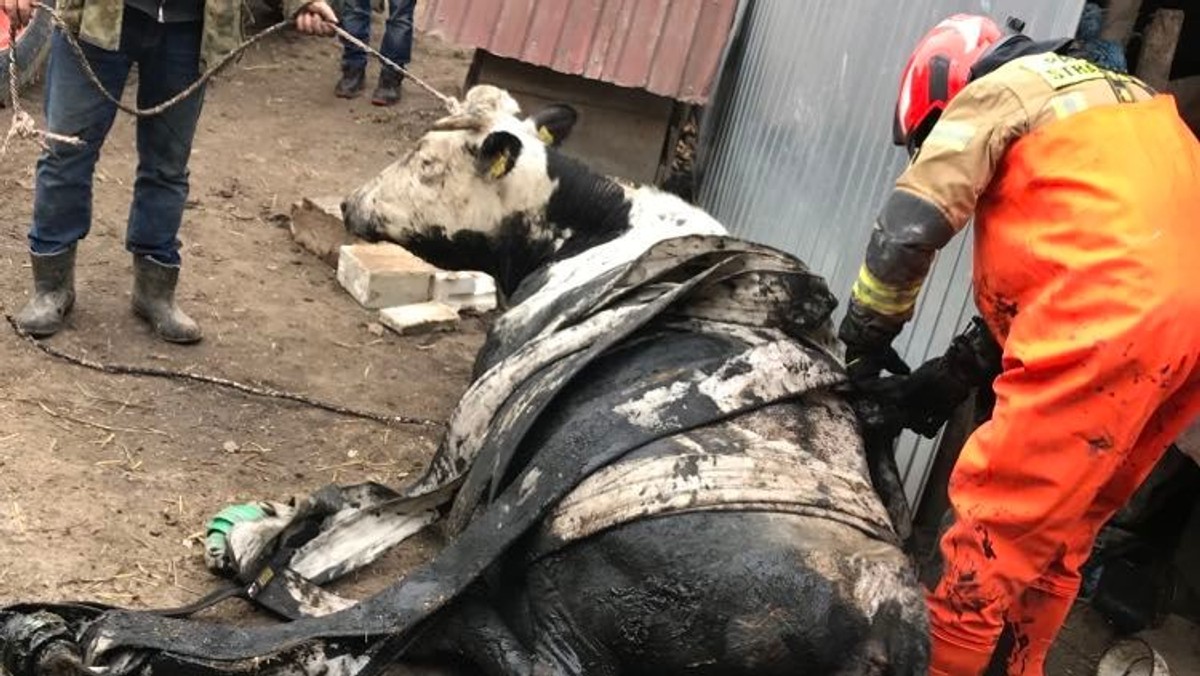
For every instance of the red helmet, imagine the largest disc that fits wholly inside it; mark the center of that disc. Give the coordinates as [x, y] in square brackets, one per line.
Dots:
[938, 69]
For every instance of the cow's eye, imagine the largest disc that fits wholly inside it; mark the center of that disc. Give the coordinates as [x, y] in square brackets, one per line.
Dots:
[432, 171]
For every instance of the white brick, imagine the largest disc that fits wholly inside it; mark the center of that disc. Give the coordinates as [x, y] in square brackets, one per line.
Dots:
[419, 318]
[447, 284]
[473, 291]
[384, 275]
[317, 227]
[483, 302]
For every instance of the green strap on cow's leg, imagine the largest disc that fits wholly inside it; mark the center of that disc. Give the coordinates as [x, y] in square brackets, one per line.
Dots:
[216, 539]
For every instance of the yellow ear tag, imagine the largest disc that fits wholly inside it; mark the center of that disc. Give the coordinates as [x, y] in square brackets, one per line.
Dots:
[499, 166]
[545, 135]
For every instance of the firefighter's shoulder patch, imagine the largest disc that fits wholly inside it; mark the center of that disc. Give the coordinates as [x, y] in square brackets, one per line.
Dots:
[1061, 71]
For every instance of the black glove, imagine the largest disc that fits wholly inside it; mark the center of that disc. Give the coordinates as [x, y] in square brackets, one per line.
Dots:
[931, 395]
[876, 405]
[975, 355]
[868, 339]
[867, 367]
[941, 385]
[927, 398]
[921, 401]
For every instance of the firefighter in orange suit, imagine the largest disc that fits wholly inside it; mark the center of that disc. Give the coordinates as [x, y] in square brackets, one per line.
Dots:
[1085, 189]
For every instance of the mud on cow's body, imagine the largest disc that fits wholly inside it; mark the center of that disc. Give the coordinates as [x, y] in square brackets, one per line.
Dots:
[651, 472]
[741, 571]
[752, 543]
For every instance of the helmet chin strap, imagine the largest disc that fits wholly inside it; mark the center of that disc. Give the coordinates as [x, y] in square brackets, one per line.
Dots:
[1013, 45]
[1014, 34]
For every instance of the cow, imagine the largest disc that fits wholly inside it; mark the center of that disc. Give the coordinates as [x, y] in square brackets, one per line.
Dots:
[656, 468]
[710, 591]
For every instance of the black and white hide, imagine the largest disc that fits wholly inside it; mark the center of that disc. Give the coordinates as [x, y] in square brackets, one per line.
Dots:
[652, 471]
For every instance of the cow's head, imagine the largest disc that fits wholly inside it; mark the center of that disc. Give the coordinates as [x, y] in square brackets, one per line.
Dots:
[467, 184]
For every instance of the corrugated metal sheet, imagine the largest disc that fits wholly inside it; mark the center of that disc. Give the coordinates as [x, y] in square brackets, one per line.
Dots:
[799, 153]
[668, 47]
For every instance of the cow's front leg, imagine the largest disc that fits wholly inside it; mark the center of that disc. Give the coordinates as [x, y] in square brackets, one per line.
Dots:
[472, 630]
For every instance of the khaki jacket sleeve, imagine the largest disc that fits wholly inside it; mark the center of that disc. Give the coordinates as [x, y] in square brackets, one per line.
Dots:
[934, 199]
[958, 159]
[293, 7]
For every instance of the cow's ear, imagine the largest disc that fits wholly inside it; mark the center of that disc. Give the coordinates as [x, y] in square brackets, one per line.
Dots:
[498, 154]
[554, 123]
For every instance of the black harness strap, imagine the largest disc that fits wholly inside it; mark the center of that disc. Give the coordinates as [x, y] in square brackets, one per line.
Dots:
[564, 462]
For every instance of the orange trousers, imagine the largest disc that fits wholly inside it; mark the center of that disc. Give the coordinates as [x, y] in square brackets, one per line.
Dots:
[1087, 271]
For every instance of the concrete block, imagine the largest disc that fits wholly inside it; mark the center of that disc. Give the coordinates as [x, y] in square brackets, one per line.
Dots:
[481, 302]
[447, 283]
[317, 227]
[473, 291]
[419, 318]
[384, 275]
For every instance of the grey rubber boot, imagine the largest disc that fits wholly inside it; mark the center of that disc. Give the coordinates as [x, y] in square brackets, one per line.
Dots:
[53, 294]
[154, 301]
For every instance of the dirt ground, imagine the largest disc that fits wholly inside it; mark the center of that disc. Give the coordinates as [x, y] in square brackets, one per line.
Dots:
[106, 482]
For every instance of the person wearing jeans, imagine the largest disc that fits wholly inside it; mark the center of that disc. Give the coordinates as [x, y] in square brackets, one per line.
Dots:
[396, 46]
[170, 41]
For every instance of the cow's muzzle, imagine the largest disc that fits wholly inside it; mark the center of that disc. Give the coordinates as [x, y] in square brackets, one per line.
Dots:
[356, 223]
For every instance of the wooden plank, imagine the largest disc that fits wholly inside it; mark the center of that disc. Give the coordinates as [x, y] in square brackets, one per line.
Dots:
[1158, 47]
[318, 228]
[1119, 20]
[1187, 96]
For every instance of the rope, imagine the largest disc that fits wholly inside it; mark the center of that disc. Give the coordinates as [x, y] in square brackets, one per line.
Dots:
[446, 101]
[23, 125]
[258, 391]
[451, 104]
[174, 100]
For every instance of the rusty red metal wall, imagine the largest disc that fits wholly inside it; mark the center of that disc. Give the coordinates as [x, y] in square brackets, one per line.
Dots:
[668, 47]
